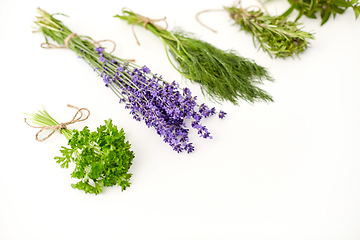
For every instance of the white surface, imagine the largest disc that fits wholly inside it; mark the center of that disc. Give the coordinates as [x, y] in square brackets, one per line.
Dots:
[285, 170]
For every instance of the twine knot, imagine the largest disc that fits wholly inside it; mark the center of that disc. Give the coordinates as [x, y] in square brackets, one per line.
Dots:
[60, 126]
[66, 41]
[146, 21]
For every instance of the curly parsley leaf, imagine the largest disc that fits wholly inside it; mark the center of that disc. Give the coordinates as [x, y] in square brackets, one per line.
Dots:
[102, 158]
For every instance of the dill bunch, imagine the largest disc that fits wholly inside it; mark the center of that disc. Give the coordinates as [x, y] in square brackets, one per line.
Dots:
[273, 34]
[222, 75]
[309, 8]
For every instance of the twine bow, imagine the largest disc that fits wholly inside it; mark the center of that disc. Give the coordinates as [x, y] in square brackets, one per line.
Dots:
[146, 21]
[61, 125]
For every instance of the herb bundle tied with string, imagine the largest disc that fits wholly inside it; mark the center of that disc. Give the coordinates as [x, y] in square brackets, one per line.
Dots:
[161, 105]
[102, 158]
[276, 35]
[222, 75]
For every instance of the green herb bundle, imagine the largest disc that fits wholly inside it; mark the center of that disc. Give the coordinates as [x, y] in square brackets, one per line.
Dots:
[275, 35]
[223, 75]
[102, 158]
[310, 8]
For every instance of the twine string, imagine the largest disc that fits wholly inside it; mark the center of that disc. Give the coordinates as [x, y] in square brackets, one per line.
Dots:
[208, 10]
[60, 126]
[146, 21]
[236, 15]
[68, 38]
[106, 40]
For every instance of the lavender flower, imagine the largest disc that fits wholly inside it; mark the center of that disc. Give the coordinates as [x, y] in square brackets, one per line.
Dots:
[99, 49]
[222, 114]
[161, 105]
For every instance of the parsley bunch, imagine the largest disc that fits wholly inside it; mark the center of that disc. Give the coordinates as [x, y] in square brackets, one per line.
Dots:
[102, 158]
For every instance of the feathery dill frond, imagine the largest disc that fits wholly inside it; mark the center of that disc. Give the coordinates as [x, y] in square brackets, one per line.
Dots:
[222, 75]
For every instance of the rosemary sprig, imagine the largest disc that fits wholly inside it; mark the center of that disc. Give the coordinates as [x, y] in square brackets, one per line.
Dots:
[309, 8]
[222, 75]
[275, 35]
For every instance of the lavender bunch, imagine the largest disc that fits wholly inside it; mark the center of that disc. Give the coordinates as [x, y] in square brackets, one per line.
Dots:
[162, 105]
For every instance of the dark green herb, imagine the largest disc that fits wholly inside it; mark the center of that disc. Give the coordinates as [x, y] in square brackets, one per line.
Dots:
[223, 75]
[102, 158]
[310, 8]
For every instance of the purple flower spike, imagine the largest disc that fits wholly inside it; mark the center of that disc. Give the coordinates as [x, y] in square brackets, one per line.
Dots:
[99, 49]
[189, 148]
[222, 114]
[145, 69]
[161, 105]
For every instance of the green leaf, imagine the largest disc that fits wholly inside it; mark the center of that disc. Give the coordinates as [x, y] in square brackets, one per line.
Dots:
[87, 188]
[357, 12]
[325, 16]
[96, 170]
[342, 3]
[287, 12]
[336, 9]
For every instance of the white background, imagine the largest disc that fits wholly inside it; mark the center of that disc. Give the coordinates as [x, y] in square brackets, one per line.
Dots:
[284, 170]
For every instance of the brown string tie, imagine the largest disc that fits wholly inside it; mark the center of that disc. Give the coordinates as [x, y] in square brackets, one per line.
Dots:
[106, 40]
[208, 10]
[236, 15]
[146, 21]
[68, 38]
[61, 125]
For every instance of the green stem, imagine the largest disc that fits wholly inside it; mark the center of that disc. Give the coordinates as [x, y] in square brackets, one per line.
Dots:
[42, 118]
